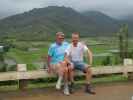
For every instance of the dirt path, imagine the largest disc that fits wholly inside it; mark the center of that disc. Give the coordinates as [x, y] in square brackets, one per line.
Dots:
[115, 91]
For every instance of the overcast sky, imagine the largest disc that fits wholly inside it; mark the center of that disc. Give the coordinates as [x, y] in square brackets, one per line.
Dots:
[115, 8]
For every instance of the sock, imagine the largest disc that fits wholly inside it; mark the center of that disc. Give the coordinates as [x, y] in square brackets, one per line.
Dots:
[60, 79]
[88, 83]
[66, 84]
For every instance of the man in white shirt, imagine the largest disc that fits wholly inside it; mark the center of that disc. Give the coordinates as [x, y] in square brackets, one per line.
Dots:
[74, 57]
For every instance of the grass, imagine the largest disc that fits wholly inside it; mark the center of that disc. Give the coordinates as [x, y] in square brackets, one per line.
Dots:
[27, 56]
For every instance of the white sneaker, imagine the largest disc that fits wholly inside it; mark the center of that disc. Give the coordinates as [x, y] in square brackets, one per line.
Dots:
[66, 90]
[58, 85]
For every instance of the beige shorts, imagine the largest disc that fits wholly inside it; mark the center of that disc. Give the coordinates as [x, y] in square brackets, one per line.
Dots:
[58, 68]
[55, 68]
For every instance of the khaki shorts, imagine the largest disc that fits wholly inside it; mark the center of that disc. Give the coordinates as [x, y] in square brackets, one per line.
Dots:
[59, 68]
[55, 68]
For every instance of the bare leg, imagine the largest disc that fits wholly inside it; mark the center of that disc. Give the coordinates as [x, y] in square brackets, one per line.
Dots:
[88, 75]
[71, 78]
[71, 73]
[60, 77]
[65, 75]
[66, 87]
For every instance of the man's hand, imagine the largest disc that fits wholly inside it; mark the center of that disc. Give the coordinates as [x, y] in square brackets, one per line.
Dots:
[49, 70]
[90, 65]
[90, 57]
[48, 63]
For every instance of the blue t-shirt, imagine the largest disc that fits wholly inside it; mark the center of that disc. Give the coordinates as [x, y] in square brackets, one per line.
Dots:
[57, 52]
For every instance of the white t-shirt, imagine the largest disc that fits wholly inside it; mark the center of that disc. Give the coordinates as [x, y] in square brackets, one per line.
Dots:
[76, 53]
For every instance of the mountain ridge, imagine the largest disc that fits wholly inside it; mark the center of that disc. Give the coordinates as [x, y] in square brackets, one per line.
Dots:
[40, 22]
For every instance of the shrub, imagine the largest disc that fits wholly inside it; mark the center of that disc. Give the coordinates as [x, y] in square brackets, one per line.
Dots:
[106, 61]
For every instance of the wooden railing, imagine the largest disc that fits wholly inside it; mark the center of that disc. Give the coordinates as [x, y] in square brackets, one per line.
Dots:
[25, 75]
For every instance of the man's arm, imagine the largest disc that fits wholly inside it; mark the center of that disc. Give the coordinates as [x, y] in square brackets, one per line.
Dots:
[90, 56]
[66, 58]
[48, 63]
[49, 57]
[67, 54]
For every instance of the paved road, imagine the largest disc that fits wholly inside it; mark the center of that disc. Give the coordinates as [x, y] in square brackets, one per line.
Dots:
[115, 91]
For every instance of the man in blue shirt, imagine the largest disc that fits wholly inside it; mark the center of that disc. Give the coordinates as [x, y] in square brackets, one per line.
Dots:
[56, 62]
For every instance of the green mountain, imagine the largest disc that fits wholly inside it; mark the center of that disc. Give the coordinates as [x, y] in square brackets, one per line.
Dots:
[101, 19]
[44, 22]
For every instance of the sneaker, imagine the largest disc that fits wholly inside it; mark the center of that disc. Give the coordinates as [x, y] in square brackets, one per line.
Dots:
[58, 85]
[71, 87]
[66, 90]
[89, 89]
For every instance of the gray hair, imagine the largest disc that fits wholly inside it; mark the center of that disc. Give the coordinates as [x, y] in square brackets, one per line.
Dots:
[59, 33]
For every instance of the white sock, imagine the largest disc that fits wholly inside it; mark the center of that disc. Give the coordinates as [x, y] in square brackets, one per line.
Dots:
[88, 82]
[58, 84]
[60, 79]
[66, 89]
[66, 85]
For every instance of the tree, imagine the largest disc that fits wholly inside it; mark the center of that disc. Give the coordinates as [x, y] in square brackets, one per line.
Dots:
[2, 63]
[123, 41]
[125, 30]
[5, 46]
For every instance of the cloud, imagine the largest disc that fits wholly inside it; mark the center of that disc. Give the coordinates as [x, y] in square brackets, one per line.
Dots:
[115, 8]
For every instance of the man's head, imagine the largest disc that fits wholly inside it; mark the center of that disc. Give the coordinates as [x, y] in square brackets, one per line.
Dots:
[75, 38]
[59, 37]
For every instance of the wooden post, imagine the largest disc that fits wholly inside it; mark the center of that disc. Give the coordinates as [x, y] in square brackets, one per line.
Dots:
[128, 62]
[22, 83]
[130, 76]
